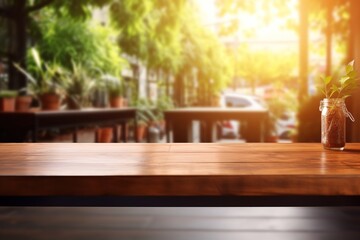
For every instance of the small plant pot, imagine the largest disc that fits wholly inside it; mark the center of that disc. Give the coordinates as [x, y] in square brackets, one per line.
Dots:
[7, 104]
[23, 103]
[104, 135]
[50, 101]
[116, 102]
[140, 130]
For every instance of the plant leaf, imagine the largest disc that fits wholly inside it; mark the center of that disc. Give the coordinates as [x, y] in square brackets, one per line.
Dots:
[36, 57]
[23, 71]
[351, 74]
[350, 67]
[320, 89]
[334, 89]
[344, 79]
[327, 80]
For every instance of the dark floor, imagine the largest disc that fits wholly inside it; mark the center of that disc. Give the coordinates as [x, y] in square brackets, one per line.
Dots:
[180, 223]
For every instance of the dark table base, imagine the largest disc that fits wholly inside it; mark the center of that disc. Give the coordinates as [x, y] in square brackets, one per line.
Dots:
[205, 201]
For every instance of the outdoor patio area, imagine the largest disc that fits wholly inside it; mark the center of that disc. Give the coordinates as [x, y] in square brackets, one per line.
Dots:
[180, 119]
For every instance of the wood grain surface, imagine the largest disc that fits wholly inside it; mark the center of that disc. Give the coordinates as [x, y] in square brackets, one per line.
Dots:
[261, 169]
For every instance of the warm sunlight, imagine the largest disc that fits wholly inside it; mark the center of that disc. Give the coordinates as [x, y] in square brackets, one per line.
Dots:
[130, 111]
[160, 55]
[274, 30]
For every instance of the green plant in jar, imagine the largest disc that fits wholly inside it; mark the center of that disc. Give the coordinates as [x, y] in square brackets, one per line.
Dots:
[333, 108]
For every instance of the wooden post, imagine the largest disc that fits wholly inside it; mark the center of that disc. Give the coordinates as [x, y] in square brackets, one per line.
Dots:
[329, 31]
[19, 17]
[303, 50]
[354, 53]
[179, 89]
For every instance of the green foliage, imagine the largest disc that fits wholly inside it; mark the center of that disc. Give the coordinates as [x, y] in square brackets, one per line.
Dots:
[163, 103]
[145, 113]
[8, 94]
[264, 67]
[343, 87]
[114, 85]
[150, 30]
[269, 10]
[80, 10]
[44, 77]
[340, 21]
[165, 35]
[168, 35]
[79, 85]
[67, 40]
[202, 50]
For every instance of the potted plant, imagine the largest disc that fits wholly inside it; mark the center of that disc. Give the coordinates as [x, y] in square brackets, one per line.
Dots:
[104, 135]
[145, 117]
[7, 100]
[333, 108]
[163, 104]
[23, 101]
[79, 87]
[46, 81]
[109, 89]
[115, 91]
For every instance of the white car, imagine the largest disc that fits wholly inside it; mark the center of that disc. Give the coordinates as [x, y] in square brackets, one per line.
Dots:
[242, 101]
[231, 129]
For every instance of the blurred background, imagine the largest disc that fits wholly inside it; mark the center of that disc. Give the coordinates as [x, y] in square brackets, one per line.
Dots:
[264, 54]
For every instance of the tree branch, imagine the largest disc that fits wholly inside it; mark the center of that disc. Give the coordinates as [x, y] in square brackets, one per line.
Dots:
[38, 6]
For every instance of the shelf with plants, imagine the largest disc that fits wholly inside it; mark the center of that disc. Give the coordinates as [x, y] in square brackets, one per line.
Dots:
[46, 81]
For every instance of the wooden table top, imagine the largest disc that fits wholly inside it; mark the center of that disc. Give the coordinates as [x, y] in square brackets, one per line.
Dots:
[259, 169]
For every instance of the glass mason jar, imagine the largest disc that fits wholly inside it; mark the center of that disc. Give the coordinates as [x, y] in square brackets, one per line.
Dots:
[333, 122]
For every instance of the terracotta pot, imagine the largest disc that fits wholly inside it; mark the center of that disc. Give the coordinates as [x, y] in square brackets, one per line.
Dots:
[7, 104]
[50, 101]
[23, 103]
[116, 102]
[140, 132]
[104, 135]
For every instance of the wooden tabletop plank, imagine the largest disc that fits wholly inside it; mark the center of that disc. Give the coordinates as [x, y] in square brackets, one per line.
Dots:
[64, 169]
